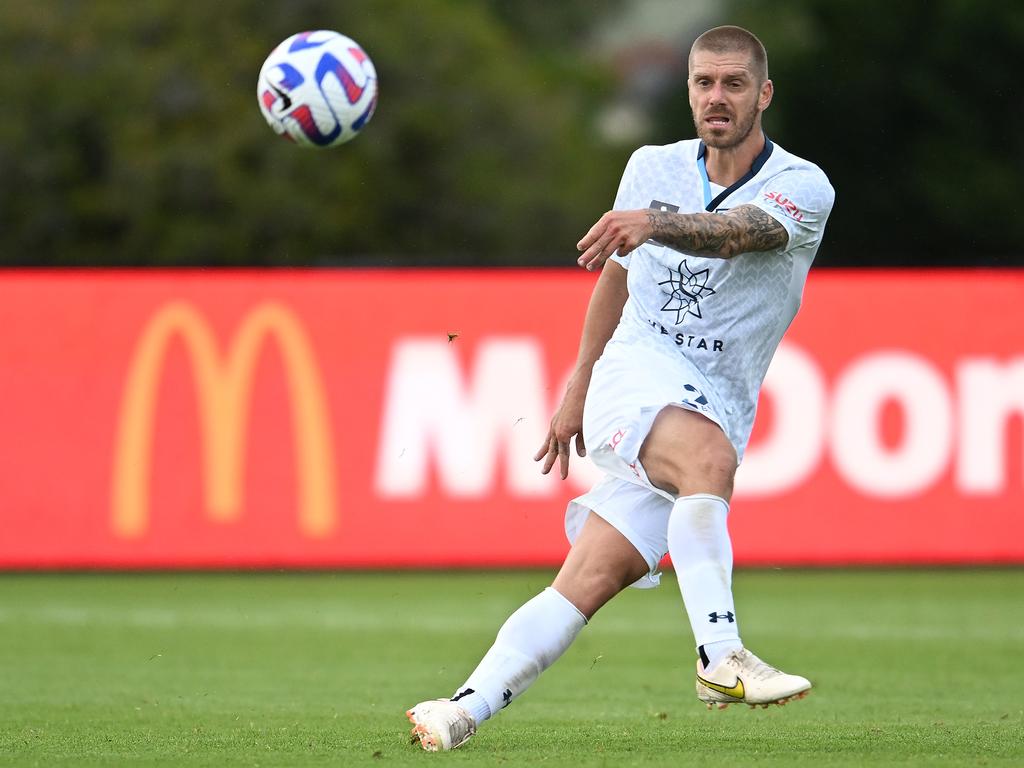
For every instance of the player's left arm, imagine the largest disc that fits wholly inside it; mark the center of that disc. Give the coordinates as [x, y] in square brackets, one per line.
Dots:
[744, 229]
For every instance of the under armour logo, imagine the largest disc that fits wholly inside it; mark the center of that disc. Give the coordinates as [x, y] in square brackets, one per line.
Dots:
[506, 697]
[727, 616]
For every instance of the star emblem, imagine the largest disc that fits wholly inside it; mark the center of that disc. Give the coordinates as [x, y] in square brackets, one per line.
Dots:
[687, 289]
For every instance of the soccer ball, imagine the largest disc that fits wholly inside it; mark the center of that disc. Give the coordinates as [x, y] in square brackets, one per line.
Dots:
[317, 89]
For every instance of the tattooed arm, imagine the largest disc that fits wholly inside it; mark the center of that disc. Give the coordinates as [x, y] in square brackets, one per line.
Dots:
[745, 229]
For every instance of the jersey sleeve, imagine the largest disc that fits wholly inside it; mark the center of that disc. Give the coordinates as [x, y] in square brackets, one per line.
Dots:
[800, 200]
[625, 198]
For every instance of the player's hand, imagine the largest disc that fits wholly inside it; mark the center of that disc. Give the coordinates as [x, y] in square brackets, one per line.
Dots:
[566, 424]
[616, 231]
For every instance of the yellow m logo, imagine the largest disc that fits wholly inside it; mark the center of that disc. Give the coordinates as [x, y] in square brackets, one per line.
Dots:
[223, 389]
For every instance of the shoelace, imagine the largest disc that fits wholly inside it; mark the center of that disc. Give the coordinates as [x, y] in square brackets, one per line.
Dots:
[760, 669]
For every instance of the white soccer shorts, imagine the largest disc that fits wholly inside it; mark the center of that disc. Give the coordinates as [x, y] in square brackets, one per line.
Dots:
[630, 385]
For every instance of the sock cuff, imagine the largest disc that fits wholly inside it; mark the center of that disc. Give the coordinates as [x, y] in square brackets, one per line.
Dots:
[567, 601]
[702, 497]
[475, 704]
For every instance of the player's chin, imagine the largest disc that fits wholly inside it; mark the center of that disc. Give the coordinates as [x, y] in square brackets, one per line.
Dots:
[718, 136]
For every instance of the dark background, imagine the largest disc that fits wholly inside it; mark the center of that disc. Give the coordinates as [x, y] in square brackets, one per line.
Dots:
[131, 134]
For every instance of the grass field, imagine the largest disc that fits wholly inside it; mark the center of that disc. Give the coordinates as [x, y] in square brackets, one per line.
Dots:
[910, 668]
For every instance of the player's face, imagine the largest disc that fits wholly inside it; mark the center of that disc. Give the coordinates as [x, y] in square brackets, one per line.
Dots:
[726, 97]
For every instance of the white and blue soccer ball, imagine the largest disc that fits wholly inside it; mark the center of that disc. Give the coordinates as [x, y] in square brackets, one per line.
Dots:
[318, 89]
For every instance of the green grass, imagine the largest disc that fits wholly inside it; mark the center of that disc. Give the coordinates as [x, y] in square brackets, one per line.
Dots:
[910, 668]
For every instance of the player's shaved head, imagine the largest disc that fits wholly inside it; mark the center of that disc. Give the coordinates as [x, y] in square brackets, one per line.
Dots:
[730, 39]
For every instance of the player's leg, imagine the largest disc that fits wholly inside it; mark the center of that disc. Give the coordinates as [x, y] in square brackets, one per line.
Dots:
[601, 563]
[690, 457]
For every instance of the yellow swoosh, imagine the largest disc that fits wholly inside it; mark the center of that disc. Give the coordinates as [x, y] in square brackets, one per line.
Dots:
[735, 691]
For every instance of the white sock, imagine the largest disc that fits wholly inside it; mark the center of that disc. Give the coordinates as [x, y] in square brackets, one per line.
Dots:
[529, 642]
[698, 541]
[712, 653]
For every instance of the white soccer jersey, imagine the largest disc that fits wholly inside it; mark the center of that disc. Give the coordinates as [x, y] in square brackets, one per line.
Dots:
[725, 316]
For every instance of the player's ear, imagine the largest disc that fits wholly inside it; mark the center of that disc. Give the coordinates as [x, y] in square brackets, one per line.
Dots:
[765, 97]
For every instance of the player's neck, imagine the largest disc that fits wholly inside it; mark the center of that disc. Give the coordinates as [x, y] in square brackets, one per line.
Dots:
[727, 166]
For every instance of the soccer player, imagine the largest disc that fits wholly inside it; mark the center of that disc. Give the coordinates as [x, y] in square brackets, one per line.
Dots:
[707, 251]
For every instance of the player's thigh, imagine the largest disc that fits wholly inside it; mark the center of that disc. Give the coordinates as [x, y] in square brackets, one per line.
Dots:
[685, 453]
[601, 563]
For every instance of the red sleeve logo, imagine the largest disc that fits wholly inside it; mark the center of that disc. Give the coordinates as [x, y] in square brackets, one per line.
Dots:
[785, 204]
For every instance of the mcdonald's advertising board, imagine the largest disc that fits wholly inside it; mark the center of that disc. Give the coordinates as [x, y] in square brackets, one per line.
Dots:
[389, 418]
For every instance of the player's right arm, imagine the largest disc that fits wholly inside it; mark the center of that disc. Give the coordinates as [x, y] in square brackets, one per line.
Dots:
[745, 229]
[790, 212]
[603, 313]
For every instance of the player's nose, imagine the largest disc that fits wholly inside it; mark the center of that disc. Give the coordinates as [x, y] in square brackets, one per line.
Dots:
[716, 94]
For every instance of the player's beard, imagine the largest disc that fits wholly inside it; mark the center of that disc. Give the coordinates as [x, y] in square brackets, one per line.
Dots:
[742, 127]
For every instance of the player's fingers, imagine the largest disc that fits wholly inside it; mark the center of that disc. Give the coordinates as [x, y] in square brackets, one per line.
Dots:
[551, 454]
[588, 264]
[581, 448]
[549, 445]
[549, 462]
[626, 247]
[596, 254]
[563, 459]
[592, 235]
[596, 263]
[542, 451]
[603, 247]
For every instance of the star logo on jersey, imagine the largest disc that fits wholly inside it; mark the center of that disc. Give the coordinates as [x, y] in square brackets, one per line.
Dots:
[687, 290]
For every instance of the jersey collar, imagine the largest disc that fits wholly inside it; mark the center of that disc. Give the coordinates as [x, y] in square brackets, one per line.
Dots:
[759, 161]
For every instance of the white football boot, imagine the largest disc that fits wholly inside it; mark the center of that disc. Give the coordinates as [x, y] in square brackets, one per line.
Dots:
[742, 678]
[440, 725]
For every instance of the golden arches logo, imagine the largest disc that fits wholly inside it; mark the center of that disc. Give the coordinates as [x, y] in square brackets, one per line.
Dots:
[223, 389]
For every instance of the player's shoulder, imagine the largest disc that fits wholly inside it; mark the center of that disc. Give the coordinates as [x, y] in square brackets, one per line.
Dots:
[783, 161]
[662, 154]
[789, 175]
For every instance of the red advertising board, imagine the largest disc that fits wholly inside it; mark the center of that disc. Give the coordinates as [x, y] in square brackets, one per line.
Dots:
[388, 418]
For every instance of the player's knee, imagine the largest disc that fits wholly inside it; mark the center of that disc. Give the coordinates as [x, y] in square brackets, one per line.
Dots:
[717, 461]
[711, 470]
[590, 588]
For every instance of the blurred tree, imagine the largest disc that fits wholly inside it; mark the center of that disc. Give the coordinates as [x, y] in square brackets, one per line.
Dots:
[136, 138]
[132, 135]
[555, 28]
[913, 109]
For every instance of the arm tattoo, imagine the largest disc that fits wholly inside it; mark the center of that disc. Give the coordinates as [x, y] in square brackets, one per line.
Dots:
[746, 229]
[759, 231]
